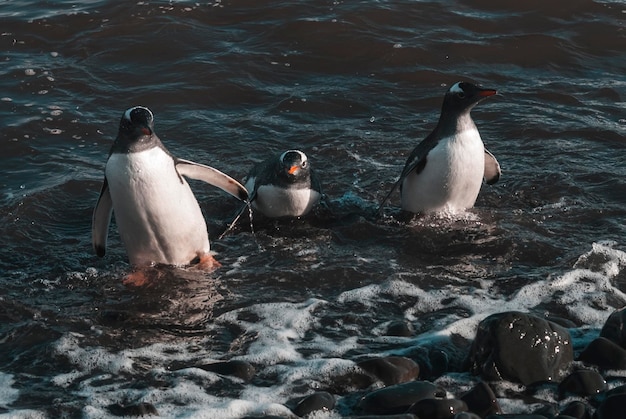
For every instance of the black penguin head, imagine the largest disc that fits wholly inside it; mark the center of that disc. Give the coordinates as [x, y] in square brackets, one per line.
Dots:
[294, 165]
[136, 132]
[463, 96]
[137, 122]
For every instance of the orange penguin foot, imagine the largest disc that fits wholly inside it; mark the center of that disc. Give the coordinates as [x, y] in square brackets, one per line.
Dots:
[207, 262]
[141, 277]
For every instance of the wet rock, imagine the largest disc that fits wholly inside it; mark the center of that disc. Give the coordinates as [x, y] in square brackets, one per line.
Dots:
[582, 383]
[400, 328]
[397, 399]
[354, 379]
[520, 347]
[320, 400]
[392, 369]
[605, 354]
[614, 328]
[438, 408]
[515, 416]
[613, 407]
[577, 410]
[234, 368]
[139, 409]
[467, 415]
[547, 411]
[481, 400]
[400, 416]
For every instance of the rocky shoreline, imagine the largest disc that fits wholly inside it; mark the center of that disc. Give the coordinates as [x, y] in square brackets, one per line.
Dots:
[533, 353]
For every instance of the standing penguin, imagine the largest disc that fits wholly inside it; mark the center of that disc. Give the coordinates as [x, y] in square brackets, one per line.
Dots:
[445, 171]
[157, 214]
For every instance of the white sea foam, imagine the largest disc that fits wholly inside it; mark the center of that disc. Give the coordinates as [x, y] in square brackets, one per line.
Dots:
[8, 394]
[282, 340]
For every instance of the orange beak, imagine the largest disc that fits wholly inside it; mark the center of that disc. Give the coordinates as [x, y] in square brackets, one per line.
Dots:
[487, 92]
[292, 170]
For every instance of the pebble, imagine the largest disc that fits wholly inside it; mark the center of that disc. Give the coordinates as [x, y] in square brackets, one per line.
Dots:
[392, 369]
[481, 400]
[605, 354]
[398, 398]
[582, 383]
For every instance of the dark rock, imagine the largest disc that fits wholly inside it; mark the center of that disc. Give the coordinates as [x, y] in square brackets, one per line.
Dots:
[582, 383]
[403, 329]
[400, 416]
[605, 354]
[392, 369]
[467, 415]
[616, 390]
[481, 400]
[547, 411]
[353, 379]
[577, 410]
[438, 408]
[614, 328]
[235, 368]
[520, 347]
[139, 409]
[613, 407]
[515, 416]
[320, 400]
[397, 399]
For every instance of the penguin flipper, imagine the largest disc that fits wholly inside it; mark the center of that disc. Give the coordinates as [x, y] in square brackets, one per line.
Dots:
[416, 161]
[492, 168]
[101, 220]
[213, 177]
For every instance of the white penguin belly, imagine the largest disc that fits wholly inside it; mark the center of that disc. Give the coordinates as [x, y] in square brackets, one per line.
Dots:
[158, 217]
[275, 202]
[451, 179]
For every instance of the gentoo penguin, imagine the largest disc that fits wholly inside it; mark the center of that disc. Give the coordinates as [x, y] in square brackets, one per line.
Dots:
[284, 185]
[445, 171]
[157, 215]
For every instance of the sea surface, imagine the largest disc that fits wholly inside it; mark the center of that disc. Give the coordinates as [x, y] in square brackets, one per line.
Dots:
[355, 85]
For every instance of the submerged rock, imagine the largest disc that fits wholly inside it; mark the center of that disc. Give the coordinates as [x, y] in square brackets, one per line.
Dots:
[520, 347]
[481, 399]
[604, 354]
[614, 328]
[397, 399]
[582, 383]
[320, 400]
[391, 369]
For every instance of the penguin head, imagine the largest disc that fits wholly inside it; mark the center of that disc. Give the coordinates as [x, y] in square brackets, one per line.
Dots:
[463, 96]
[137, 122]
[294, 165]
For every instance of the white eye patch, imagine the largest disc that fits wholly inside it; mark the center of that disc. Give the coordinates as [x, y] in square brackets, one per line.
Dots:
[303, 157]
[456, 88]
[130, 110]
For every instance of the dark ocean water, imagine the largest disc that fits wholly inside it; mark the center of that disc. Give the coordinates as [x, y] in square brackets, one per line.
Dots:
[353, 84]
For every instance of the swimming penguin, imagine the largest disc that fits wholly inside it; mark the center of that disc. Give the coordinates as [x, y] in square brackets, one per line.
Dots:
[284, 185]
[445, 171]
[157, 214]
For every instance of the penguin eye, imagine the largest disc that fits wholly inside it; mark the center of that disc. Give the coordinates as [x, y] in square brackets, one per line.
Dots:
[304, 164]
[460, 95]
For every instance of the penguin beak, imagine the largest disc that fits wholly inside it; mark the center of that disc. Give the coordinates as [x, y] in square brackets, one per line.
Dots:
[292, 170]
[146, 131]
[487, 92]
